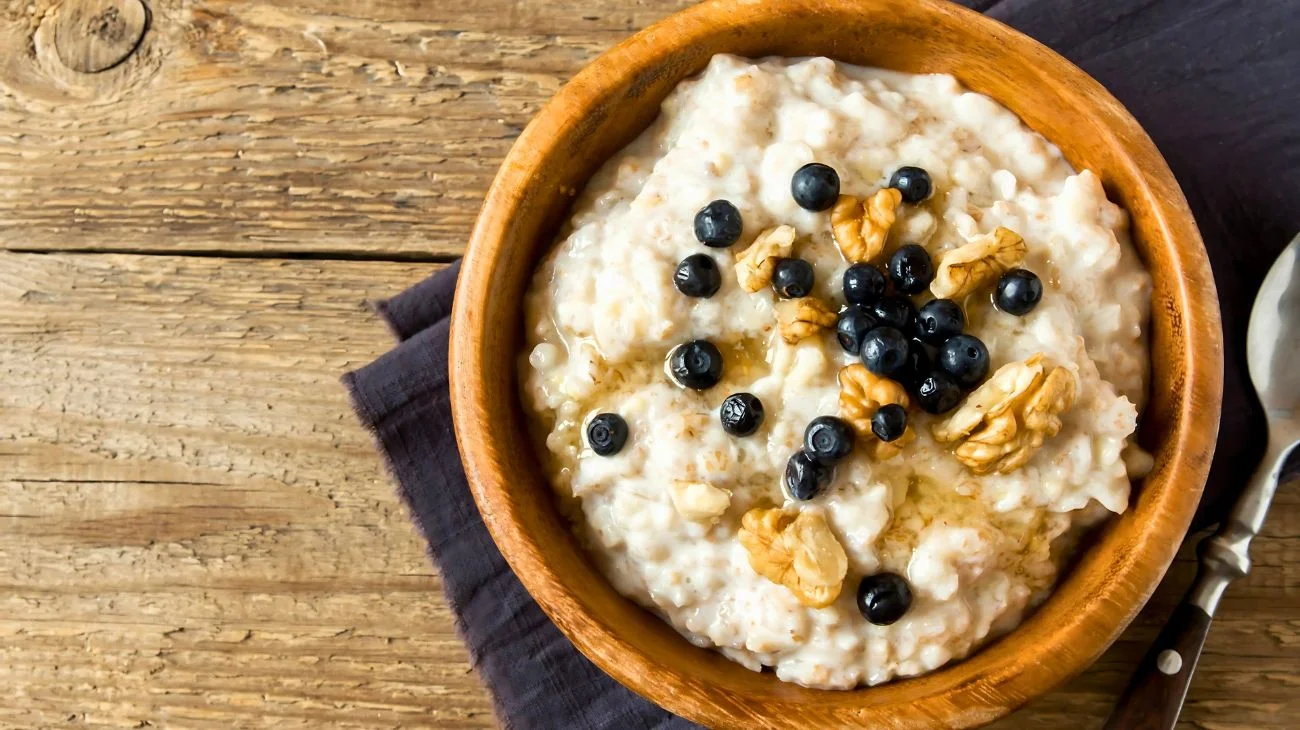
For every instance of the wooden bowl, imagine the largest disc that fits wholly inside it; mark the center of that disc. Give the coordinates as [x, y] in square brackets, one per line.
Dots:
[602, 109]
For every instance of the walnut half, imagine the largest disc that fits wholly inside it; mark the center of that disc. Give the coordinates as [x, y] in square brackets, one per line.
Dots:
[978, 263]
[862, 393]
[803, 317]
[861, 227]
[1006, 420]
[754, 265]
[795, 549]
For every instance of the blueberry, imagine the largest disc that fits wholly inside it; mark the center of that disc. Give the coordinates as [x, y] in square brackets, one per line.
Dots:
[938, 320]
[741, 413]
[852, 327]
[805, 478]
[828, 439]
[792, 278]
[1018, 292]
[896, 312]
[883, 598]
[718, 224]
[912, 182]
[884, 351]
[698, 276]
[938, 393]
[910, 269]
[815, 186]
[965, 358]
[863, 284]
[607, 433]
[696, 364]
[889, 422]
[920, 361]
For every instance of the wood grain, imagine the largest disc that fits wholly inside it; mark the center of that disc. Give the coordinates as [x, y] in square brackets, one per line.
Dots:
[288, 127]
[193, 531]
[91, 36]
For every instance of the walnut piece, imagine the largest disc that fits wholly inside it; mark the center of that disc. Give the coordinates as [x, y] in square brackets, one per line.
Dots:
[978, 263]
[795, 549]
[803, 317]
[862, 393]
[1006, 420]
[754, 265]
[699, 501]
[861, 227]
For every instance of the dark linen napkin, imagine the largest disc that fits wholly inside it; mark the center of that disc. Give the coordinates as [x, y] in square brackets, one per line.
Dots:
[1212, 81]
[536, 678]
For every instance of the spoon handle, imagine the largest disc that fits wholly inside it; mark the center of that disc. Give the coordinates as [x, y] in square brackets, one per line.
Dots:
[1155, 694]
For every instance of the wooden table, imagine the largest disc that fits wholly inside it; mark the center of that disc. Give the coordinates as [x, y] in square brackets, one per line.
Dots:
[196, 204]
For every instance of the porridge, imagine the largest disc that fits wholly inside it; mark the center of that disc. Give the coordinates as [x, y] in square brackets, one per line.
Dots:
[832, 366]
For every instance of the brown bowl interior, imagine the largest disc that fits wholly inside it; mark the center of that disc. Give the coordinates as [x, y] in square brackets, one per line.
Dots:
[603, 109]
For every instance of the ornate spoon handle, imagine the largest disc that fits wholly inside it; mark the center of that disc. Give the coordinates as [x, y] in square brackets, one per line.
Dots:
[1154, 697]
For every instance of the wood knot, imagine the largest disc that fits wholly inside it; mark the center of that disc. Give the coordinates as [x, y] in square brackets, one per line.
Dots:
[95, 35]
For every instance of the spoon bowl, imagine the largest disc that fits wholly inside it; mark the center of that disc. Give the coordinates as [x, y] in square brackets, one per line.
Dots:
[1273, 340]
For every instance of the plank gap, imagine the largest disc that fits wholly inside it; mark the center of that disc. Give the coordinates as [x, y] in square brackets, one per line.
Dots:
[402, 257]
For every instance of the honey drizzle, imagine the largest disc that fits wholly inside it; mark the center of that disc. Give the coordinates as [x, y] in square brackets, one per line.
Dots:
[745, 360]
[1019, 537]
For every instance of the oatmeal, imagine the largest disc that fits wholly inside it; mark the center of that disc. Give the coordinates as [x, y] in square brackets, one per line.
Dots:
[832, 365]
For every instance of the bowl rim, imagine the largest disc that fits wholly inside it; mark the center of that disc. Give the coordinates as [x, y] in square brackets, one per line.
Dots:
[979, 699]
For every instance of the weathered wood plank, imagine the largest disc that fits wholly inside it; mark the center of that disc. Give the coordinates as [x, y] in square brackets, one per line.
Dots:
[284, 127]
[194, 531]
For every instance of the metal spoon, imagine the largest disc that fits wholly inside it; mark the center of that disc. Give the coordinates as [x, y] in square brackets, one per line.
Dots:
[1155, 695]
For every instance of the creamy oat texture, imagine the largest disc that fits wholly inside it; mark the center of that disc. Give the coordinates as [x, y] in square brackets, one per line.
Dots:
[602, 314]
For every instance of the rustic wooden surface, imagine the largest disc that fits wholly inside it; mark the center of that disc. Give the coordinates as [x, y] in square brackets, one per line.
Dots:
[194, 532]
